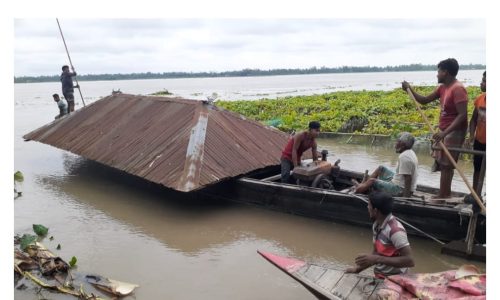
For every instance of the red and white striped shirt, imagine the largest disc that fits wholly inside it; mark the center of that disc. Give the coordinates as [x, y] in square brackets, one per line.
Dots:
[388, 239]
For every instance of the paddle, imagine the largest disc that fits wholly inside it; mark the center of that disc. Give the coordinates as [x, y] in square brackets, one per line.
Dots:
[443, 147]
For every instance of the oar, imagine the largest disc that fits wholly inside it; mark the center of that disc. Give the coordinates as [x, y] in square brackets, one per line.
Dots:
[67, 52]
[443, 147]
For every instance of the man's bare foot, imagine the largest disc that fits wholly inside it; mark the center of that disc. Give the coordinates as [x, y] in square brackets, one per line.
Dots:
[354, 182]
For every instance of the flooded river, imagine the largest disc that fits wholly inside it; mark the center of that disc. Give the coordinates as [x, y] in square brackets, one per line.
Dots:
[128, 230]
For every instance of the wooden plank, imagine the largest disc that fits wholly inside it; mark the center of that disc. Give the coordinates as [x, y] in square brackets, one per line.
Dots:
[364, 288]
[329, 279]
[312, 273]
[345, 285]
[459, 248]
[272, 178]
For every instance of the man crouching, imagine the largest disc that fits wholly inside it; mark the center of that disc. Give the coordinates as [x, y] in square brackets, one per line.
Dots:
[391, 250]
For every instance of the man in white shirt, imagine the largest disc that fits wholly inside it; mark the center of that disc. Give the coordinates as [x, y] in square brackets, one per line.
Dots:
[63, 108]
[403, 181]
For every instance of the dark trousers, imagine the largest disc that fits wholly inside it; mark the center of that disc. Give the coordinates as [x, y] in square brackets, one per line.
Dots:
[478, 159]
[286, 167]
[71, 106]
[70, 98]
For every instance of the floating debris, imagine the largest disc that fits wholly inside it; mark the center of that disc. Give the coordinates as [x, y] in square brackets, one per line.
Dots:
[41, 267]
[115, 287]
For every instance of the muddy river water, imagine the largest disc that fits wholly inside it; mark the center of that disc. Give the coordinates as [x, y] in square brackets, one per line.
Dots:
[175, 249]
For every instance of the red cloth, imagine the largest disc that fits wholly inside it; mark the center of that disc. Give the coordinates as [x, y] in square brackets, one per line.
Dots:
[441, 285]
[453, 139]
[449, 97]
[306, 144]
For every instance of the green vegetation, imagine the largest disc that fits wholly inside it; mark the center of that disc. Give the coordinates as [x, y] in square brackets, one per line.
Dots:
[72, 262]
[40, 230]
[18, 179]
[26, 240]
[380, 112]
[163, 92]
[244, 72]
[18, 176]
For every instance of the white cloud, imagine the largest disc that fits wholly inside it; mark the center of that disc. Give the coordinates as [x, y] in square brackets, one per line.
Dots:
[165, 45]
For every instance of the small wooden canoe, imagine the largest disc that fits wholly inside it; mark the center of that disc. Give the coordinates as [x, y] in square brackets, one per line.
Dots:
[323, 282]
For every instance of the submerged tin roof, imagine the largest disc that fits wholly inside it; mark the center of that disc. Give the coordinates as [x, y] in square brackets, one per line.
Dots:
[182, 144]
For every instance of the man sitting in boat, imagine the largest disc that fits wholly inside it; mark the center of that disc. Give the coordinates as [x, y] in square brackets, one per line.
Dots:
[296, 146]
[403, 182]
[391, 250]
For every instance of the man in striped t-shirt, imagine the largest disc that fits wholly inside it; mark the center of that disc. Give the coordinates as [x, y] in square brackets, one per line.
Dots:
[391, 250]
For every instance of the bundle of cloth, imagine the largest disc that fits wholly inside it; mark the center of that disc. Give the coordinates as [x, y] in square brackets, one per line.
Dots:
[466, 283]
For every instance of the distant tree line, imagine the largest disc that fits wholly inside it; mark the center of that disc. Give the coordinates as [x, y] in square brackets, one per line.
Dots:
[244, 72]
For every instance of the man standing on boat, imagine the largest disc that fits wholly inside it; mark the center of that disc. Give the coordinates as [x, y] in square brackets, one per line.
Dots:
[452, 121]
[404, 181]
[68, 88]
[391, 250]
[477, 131]
[296, 146]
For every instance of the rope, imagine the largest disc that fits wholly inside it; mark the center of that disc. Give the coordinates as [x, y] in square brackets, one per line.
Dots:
[406, 223]
[69, 57]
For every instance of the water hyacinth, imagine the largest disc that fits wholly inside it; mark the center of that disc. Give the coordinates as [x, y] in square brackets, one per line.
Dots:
[385, 112]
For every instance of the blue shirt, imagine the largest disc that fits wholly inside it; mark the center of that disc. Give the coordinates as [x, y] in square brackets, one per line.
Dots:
[67, 82]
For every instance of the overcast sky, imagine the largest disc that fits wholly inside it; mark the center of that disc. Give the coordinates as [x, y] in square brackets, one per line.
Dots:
[166, 45]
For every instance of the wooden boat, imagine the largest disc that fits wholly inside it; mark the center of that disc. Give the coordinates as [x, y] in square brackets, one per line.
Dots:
[323, 282]
[445, 221]
[466, 282]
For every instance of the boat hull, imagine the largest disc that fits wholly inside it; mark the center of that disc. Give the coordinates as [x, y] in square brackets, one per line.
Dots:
[445, 222]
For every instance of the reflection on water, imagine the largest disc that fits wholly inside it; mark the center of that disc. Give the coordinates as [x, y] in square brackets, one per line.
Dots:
[175, 246]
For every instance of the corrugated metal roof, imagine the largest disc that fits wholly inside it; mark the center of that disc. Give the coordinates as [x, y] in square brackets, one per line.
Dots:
[179, 143]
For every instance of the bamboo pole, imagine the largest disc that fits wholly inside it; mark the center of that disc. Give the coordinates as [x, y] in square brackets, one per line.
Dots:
[71, 63]
[443, 147]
